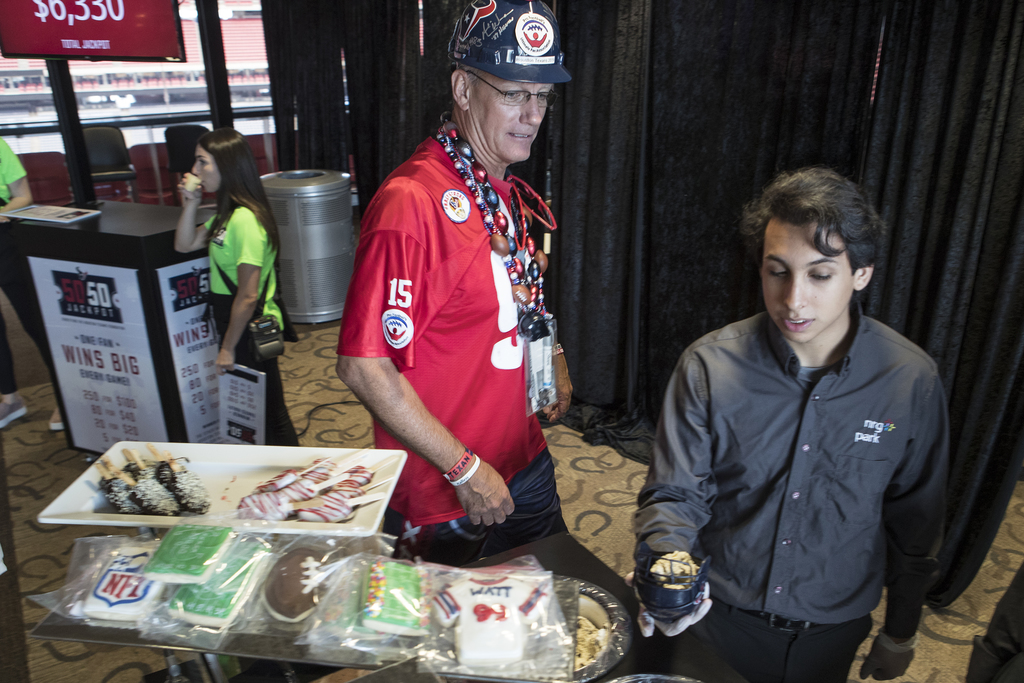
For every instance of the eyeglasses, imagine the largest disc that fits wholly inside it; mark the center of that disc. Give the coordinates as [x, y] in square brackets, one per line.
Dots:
[517, 98]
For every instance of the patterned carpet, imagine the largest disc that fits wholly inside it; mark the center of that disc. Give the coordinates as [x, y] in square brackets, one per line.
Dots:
[598, 489]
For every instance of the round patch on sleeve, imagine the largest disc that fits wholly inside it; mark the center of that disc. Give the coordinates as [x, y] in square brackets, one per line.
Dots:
[456, 205]
[397, 328]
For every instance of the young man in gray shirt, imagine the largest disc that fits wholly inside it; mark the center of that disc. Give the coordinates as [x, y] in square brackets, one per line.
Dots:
[805, 450]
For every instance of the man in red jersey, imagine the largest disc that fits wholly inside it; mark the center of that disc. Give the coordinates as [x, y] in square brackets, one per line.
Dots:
[446, 294]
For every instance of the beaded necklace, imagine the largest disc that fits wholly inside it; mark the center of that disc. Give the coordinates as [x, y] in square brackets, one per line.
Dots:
[508, 238]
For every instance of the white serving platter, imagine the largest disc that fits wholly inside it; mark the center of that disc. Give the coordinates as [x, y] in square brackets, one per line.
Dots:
[229, 473]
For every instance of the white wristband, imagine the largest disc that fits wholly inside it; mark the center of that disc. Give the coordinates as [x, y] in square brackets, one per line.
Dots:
[469, 473]
[892, 646]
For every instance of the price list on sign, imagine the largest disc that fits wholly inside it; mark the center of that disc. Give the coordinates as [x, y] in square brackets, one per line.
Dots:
[185, 290]
[243, 394]
[100, 349]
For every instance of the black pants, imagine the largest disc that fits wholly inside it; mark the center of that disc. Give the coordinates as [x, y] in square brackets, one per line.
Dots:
[762, 654]
[538, 514]
[998, 657]
[280, 431]
[16, 288]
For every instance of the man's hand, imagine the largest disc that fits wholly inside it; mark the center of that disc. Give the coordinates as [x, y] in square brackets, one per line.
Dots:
[563, 390]
[394, 403]
[647, 622]
[485, 498]
[887, 659]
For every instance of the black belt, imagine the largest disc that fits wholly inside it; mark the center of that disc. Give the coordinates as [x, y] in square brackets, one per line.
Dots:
[781, 623]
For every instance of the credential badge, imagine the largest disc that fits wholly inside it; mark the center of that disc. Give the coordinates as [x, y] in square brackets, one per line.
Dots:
[456, 205]
[534, 34]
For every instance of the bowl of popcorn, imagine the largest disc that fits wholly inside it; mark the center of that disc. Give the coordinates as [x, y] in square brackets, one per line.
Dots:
[603, 633]
[671, 585]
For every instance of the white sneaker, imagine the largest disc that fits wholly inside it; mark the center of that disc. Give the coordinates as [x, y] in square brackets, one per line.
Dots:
[10, 412]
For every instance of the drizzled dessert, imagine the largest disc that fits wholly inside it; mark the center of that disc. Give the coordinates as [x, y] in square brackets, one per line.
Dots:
[164, 488]
[315, 494]
[117, 489]
[144, 491]
[184, 484]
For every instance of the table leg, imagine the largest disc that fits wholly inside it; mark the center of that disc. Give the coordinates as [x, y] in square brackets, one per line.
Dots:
[213, 668]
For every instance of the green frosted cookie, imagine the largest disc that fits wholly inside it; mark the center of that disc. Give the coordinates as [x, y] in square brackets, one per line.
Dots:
[217, 601]
[188, 554]
[395, 599]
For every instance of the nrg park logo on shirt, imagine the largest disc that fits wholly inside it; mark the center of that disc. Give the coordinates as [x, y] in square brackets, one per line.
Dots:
[876, 431]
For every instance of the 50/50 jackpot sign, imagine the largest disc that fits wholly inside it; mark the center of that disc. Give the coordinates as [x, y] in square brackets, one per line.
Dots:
[190, 289]
[100, 349]
[88, 296]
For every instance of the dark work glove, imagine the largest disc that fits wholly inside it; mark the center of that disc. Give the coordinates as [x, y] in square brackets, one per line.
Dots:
[887, 659]
[647, 622]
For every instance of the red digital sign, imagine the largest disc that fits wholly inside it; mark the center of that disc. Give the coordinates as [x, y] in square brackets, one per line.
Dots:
[140, 30]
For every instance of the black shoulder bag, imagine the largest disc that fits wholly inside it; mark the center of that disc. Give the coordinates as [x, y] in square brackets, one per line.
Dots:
[266, 338]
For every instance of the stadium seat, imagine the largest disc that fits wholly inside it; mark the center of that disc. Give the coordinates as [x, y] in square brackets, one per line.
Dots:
[109, 163]
[266, 159]
[48, 177]
[154, 184]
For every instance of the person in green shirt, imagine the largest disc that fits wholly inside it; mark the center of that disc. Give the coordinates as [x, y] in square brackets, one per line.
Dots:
[15, 193]
[243, 242]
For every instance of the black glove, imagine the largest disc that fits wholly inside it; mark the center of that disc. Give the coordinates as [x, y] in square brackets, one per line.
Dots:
[887, 659]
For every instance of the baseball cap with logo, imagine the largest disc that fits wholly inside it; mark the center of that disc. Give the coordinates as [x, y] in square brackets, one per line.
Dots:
[516, 40]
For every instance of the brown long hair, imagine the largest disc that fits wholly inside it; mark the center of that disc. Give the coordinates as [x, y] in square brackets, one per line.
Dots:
[239, 181]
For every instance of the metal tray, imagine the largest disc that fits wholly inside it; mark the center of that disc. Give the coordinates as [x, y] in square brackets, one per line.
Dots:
[229, 473]
[604, 611]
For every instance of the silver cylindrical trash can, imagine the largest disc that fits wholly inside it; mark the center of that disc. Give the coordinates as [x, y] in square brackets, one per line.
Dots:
[313, 211]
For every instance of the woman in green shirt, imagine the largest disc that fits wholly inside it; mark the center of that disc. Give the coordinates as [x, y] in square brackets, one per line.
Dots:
[15, 193]
[243, 242]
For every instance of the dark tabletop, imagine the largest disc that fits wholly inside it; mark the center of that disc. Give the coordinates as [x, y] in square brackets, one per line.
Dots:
[561, 554]
[683, 655]
[123, 234]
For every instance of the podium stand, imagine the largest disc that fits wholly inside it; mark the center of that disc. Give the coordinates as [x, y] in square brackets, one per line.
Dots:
[123, 313]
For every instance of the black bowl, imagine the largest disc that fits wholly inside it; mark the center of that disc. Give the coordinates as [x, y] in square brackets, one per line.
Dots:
[668, 601]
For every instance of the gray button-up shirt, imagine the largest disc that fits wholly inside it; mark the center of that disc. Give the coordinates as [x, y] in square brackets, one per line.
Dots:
[808, 501]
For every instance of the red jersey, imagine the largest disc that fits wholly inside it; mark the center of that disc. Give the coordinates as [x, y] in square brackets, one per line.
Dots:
[428, 292]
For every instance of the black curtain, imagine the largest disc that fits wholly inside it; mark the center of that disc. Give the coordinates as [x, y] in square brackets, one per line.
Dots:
[304, 47]
[382, 54]
[597, 130]
[439, 17]
[741, 90]
[945, 165]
